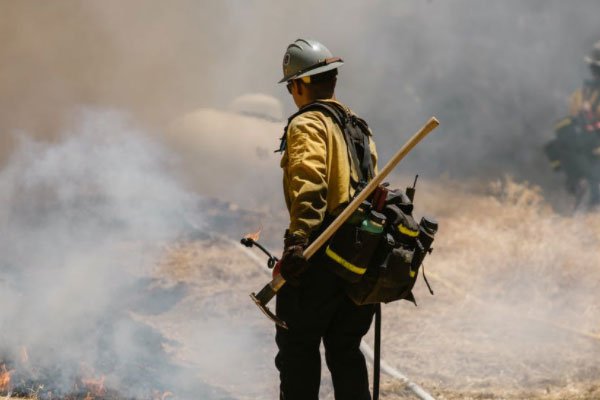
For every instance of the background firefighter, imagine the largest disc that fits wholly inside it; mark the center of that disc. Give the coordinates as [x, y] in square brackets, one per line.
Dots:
[318, 180]
[576, 149]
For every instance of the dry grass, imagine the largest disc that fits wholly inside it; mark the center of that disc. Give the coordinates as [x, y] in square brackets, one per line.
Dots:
[516, 305]
[515, 315]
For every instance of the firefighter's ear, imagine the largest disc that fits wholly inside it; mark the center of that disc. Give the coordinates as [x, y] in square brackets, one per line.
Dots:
[299, 87]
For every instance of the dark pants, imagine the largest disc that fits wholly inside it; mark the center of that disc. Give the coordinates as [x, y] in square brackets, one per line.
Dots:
[594, 187]
[319, 309]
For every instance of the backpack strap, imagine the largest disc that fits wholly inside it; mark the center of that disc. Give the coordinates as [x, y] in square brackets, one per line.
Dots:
[356, 134]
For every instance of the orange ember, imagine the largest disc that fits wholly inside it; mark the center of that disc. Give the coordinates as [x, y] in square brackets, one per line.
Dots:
[254, 236]
[4, 378]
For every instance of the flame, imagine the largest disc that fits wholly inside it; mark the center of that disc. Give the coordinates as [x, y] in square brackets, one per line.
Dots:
[4, 378]
[95, 386]
[254, 236]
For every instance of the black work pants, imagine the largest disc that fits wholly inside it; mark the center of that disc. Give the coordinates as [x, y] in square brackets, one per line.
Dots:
[594, 187]
[318, 310]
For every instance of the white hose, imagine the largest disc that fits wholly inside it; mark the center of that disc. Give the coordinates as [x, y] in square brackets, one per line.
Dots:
[394, 373]
[364, 347]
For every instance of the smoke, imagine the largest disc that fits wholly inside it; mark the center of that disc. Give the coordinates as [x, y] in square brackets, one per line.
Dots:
[82, 223]
[497, 76]
[229, 155]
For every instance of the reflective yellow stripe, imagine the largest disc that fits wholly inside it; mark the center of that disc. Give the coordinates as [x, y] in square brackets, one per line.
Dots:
[412, 273]
[408, 232]
[338, 259]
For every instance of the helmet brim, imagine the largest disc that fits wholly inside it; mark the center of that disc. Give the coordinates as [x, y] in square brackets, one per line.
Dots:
[318, 70]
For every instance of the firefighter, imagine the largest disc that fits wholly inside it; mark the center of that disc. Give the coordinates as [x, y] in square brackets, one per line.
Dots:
[584, 109]
[319, 179]
[575, 150]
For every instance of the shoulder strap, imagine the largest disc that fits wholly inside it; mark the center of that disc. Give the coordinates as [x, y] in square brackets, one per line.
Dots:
[356, 134]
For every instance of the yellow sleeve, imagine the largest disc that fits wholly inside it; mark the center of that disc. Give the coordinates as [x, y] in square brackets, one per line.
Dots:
[575, 103]
[307, 171]
[373, 150]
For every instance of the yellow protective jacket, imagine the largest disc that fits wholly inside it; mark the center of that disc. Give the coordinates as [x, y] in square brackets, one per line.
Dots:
[584, 99]
[317, 172]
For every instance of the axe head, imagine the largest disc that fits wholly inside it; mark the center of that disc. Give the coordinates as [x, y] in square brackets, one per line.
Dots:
[267, 312]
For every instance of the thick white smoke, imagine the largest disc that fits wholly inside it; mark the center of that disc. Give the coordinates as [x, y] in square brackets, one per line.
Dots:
[230, 154]
[81, 221]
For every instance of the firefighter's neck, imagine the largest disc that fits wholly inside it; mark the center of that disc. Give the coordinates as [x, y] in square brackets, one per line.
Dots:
[302, 96]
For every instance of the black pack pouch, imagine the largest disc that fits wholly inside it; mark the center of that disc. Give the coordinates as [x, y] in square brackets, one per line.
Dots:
[394, 268]
[349, 252]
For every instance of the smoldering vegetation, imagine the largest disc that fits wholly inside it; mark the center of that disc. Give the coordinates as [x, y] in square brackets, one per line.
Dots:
[82, 223]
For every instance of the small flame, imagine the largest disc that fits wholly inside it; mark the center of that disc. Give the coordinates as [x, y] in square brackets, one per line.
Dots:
[4, 378]
[254, 236]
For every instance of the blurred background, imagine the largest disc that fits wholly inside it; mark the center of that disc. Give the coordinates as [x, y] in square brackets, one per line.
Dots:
[497, 75]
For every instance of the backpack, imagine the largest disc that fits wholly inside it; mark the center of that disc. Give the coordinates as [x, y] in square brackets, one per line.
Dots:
[378, 251]
[381, 265]
[403, 244]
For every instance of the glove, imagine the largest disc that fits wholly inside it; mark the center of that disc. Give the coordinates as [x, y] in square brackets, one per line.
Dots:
[276, 269]
[293, 263]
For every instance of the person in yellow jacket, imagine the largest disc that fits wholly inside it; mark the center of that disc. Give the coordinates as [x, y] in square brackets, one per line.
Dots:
[317, 176]
[587, 98]
[319, 179]
[584, 108]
